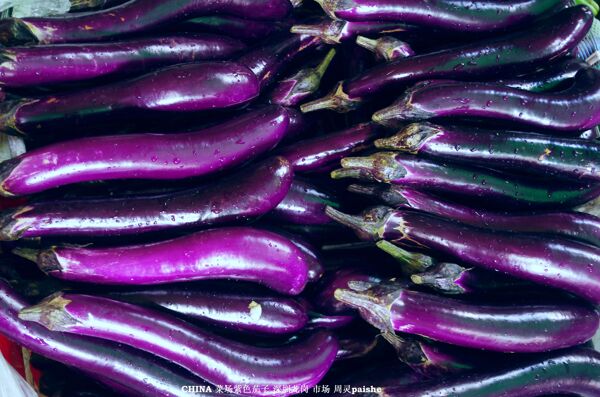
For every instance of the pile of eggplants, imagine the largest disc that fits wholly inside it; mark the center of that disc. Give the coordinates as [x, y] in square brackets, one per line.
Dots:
[193, 215]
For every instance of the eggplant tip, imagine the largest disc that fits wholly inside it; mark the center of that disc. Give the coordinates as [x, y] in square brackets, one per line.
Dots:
[50, 313]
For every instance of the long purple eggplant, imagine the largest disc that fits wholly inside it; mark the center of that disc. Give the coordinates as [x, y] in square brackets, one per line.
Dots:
[240, 28]
[54, 64]
[134, 16]
[544, 41]
[248, 194]
[551, 261]
[127, 367]
[525, 328]
[302, 84]
[233, 253]
[245, 311]
[574, 109]
[571, 372]
[570, 224]
[548, 77]
[325, 150]
[486, 186]
[387, 48]
[483, 16]
[146, 156]
[338, 31]
[305, 204]
[189, 87]
[511, 150]
[217, 360]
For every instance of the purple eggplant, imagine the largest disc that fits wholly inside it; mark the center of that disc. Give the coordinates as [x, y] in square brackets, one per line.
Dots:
[55, 64]
[387, 48]
[486, 186]
[134, 16]
[574, 109]
[525, 328]
[146, 156]
[217, 360]
[305, 204]
[248, 194]
[233, 253]
[548, 77]
[338, 31]
[511, 150]
[240, 28]
[315, 267]
[330, 322]
[317, 153]
[324, 298]
[186, 87]
[127, 367]
[551, 261]
[571, 372]
[483, 16]
[244, 311]
[302, 84]
[544, 41]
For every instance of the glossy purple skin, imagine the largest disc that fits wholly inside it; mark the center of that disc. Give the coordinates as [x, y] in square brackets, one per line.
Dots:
[546, 40]
[330, 322]
[233, 253]
[304, 204]
[572, 372]
[338, 31]
[250, 193]
[135, 16]
[189, 87]
[480, 16]
[574, 109]
[54, 64]
[325, 299]
[146, 156]
[315, 267]
[243, 311]
[216, 359]
[101, 359]
[570, 224]
[325, 150]
[244, 29]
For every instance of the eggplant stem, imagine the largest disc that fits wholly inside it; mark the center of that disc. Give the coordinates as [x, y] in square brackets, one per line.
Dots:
[352, 221]
[362, 189]
[370, 307]
[309, 30]
[50, 313]
[367, 43]
[324, 65]
[355, 173]
[30, 254]
[415, 262]
[336, 100]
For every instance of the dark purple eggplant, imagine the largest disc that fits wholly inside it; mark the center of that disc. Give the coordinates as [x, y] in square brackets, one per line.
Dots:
[570, 224]
[52, 64]
[245, 29]
[134, 16]
[338, 31]
[125, 366]
[325, 150]
[302, 84]
[218, 360]
[387, 48]
[554, 76]
[318, 320]
[486, 186]
[248, 194]
[551, 261]
[524, 328]
[543, 41]
[356, 347]
[574, 109]
[483, 16]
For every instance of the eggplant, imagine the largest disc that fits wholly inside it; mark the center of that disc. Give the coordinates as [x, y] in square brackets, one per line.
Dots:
[526, 328]
[305, 204]
[572, 372]
[233, 253]
[241, 310]
[355, 347]
[302, 84]
[146, 156]
[548, 77]
[543, 41]
[338, 31]
[486, 186]
[250, 193]
[551, 261]
[245, 29]
[103, 360]
[315, 267]
[132, 17]
[324, 297]
[217, 360]
[571, 158]
[186, 87]
[574, 109]
[59, 64]
[322, 151]
[484, 16]
[330, 322]
[387, 48]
